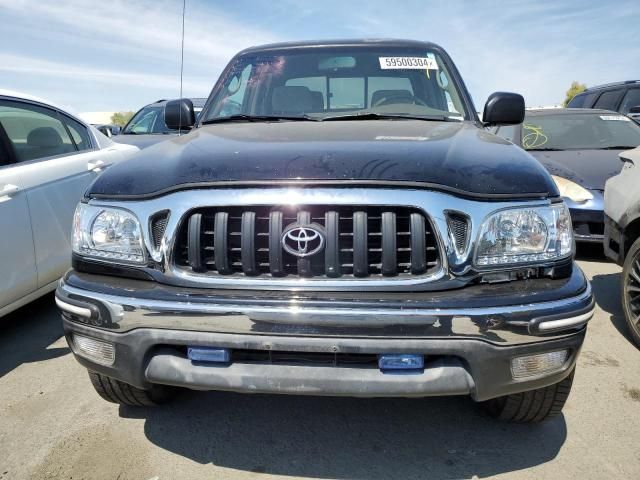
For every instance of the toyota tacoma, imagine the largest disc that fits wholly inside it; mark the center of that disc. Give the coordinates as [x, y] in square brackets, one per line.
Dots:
[337, 222]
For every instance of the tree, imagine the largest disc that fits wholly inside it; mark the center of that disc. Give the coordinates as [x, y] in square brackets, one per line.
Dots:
[121, 118]
[574, 89]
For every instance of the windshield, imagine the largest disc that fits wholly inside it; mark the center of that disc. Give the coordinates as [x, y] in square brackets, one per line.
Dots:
[579, 131]
[342, 81]
[147, 120]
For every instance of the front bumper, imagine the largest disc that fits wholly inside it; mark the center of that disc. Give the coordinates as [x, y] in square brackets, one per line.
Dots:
[588, 218]
[615, 241]
[468, 336]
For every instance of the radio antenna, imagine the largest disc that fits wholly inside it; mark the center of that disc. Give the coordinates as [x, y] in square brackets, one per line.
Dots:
[184, 7]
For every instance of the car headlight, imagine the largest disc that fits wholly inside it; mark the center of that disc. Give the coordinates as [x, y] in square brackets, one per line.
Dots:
[572, 190]
[107, 233]
[525, 235]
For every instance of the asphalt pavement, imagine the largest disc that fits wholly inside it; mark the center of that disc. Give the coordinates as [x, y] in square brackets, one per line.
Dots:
[54, 426]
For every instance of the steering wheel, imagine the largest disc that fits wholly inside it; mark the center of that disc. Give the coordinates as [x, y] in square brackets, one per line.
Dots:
[399, 98]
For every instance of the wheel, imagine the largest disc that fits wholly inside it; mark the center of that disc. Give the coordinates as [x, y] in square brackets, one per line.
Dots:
[631, 290]
[116, 391]
[532, 406]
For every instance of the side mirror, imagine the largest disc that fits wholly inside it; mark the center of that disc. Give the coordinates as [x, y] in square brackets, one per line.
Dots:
[503, 108]
[115, 129]
[179, 114]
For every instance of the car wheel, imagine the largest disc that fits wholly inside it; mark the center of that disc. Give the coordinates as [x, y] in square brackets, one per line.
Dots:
[115, 391]
[532, 406]
[631, 290]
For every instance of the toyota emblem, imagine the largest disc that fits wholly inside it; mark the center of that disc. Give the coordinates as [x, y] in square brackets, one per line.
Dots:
[303, 240]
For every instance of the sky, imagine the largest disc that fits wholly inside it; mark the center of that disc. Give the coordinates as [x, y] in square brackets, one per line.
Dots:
[119, 55]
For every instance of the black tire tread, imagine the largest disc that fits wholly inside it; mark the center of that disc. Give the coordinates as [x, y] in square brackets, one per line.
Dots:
[628, 264]
[532, 406]
[115, 391]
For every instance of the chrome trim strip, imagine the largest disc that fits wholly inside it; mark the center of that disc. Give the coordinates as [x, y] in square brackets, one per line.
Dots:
[433, 203]
[67, 307]
[565, 323]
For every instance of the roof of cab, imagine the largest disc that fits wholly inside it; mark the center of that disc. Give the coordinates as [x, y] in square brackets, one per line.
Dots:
[362, 42]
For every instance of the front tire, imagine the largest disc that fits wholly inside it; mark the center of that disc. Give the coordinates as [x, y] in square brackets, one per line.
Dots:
[115, 391]
[631, 291]
[532, 406]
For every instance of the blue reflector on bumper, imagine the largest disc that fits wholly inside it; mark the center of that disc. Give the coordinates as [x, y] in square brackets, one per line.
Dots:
[400, 361]
[209, 354]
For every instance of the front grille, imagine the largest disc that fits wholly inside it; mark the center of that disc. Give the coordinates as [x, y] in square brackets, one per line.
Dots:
[360, 242]
[459, 225]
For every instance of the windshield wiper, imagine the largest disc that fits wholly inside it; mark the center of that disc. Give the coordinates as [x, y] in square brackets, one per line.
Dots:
[548, 149]
[241, 117]
[618, 147]
[385, 116]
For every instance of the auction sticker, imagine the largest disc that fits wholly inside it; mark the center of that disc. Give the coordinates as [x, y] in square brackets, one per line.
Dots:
[620, 118]
[413, 63]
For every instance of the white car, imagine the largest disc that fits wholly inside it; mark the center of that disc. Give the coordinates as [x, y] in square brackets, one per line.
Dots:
[48, 157]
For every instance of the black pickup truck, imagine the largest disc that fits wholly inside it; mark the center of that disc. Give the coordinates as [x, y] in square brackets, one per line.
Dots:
[337, 222]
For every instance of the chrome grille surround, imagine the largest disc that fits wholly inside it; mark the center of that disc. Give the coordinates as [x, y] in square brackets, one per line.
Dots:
[453, 264]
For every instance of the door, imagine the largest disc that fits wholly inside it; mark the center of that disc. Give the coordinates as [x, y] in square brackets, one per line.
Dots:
[18, 275]
[56, 159]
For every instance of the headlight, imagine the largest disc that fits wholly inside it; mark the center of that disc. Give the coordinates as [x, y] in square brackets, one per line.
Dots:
[107, 233]
[572, 190]
[525, 235]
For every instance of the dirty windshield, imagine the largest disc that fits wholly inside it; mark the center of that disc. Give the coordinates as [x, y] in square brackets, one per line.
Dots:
[322, 84]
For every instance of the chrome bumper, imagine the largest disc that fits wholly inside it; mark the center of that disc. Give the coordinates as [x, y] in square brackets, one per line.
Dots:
[468, 350]
[163, 307]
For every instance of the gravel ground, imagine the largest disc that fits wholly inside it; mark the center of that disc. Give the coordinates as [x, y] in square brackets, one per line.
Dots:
[53, 425]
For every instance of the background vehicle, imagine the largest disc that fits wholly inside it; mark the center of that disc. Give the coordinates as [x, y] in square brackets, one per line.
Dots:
[580, 148]
[623, 97]
[47, 159]
[622, 234]
[339, 214]
[107, 130]
[147, 126]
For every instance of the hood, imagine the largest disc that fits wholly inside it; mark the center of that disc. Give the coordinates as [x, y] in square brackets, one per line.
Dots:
[452, 156]
[588, 168]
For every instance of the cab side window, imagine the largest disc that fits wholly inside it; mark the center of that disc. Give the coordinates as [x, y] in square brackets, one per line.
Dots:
[609, 100]
[34, 132]
[631, 99]
[79, 134]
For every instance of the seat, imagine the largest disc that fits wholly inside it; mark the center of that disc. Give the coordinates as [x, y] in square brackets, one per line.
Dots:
[44, 142]
[397, 96]
[288, 100]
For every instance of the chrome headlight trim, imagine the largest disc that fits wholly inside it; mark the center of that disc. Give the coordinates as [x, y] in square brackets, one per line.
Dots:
[558, 238]
[86, 240]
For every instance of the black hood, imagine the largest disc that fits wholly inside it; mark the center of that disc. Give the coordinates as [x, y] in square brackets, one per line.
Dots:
[588, 168]
[452, 156]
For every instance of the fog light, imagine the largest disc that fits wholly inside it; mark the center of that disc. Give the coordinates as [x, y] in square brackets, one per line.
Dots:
[98, 351]
[538, 364]
[209, 354]
[401, 361]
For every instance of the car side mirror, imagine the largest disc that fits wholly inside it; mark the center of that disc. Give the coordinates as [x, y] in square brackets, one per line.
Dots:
[115, 129]
[179, 114]
[503, 108]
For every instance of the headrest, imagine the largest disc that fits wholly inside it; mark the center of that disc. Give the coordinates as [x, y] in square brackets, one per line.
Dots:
[292, 100]
[317, 101]
[44, 137]
[399, 96]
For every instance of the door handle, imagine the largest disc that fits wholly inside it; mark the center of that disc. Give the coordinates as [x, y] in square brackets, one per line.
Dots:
[8, 190]
[96, 166]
